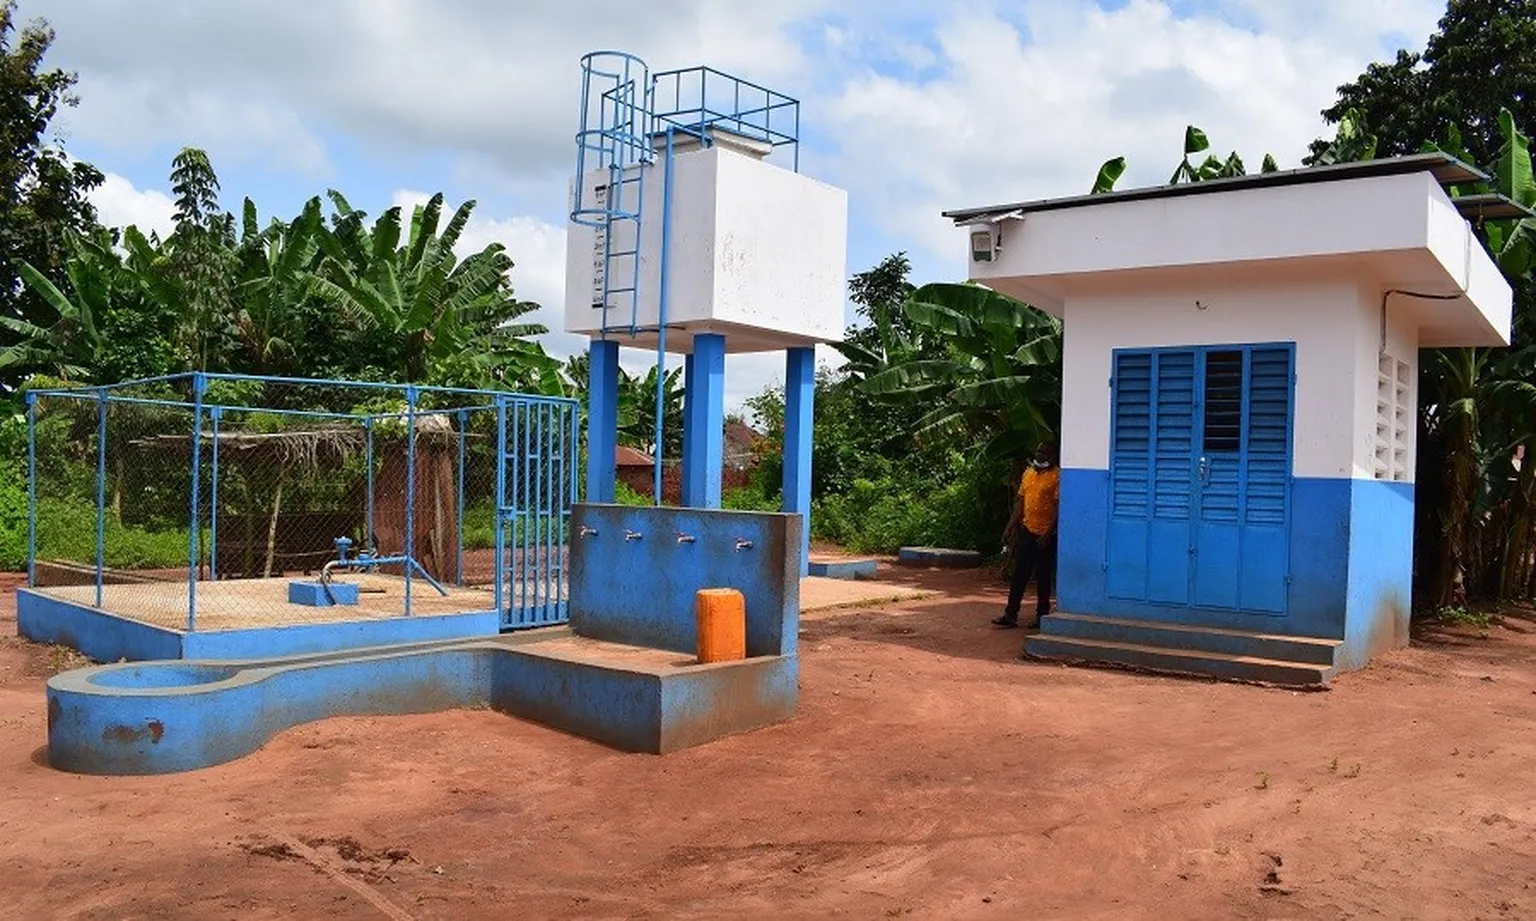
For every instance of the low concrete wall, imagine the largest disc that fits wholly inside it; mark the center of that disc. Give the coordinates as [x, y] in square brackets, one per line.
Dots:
[635, 571]
[164, 717]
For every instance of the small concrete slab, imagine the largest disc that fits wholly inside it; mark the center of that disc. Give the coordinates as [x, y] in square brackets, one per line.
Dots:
[818, 593]
[836, 567]
[938, 556]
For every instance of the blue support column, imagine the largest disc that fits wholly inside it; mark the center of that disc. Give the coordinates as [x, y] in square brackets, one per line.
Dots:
[459, 521]
[101, 490]
[704, 426]
[215, 413]
[199, 387]
[602, 419]
[688, 408]
[799, 394]
[410, 492]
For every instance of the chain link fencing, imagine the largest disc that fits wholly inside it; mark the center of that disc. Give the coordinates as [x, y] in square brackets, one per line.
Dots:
[195, 502]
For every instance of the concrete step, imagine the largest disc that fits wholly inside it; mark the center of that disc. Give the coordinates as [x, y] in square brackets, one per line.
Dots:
[1184, 662]
[1192, 638]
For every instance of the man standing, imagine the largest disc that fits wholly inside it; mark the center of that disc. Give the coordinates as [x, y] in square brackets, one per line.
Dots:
[1031, 532]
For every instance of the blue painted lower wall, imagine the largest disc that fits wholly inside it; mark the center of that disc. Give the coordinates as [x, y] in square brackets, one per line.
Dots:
[107, 637]
[1380, 594]
[1350, 560]
[98, 635]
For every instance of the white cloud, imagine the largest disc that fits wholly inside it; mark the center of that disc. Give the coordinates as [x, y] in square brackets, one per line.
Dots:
[480, 78]
[119, 204]
[916, 107]
[1029, 106]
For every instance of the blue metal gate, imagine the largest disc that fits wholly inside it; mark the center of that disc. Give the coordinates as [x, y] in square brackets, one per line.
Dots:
[535, 489]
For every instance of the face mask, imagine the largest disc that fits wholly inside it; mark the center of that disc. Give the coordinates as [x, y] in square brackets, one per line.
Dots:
[1039, 464]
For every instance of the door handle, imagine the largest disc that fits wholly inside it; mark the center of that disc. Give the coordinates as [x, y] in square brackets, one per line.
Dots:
[1205, 470]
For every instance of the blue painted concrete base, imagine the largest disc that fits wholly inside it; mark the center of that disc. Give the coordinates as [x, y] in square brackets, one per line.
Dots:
[108, 637]
[164, 717]
[842, 569]
[314, 595]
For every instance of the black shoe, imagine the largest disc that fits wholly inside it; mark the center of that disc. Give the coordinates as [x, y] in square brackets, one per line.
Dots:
[1006, 621]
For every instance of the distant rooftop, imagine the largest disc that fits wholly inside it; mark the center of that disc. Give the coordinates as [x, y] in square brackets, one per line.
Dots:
[1447, 170]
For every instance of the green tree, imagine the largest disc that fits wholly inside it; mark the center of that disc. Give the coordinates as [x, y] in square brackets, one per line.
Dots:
[201, 263]
[637, 411]
[1481, 58]
[1001, 377]
[43, 193]
[108, 321]
[429, 316]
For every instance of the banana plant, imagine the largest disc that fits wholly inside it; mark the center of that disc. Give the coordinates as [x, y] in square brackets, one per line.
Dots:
[1195, 142]
[1351, 142]
[1000, 378]
[438, 313]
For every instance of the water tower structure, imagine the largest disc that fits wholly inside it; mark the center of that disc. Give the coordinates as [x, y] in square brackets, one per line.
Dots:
[693, 232]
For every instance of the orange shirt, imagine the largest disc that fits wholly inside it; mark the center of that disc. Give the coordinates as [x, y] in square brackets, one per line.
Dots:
[1039, 495]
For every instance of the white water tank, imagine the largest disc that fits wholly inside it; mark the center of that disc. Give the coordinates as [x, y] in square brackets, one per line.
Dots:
[756, 252]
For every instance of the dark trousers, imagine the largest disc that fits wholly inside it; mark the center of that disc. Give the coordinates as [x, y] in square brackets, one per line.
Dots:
[1034, 555]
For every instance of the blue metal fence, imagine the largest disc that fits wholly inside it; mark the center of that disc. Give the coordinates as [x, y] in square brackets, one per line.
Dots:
[455, 499]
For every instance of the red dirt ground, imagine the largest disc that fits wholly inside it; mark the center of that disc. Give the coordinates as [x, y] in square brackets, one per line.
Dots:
[930, 774]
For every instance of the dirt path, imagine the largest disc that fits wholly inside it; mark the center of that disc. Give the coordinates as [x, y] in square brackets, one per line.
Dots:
[930, 775]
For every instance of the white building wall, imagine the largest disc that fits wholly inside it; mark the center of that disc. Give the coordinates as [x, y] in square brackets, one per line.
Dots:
[1335, 337]
[1396, 357]
[752, 245]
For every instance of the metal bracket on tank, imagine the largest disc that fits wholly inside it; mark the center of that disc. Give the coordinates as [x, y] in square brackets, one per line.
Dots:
[588, 532]
[743, 544]
[684, 538]
[631, 535]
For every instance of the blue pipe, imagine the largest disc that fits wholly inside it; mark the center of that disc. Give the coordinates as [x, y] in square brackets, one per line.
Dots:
[661, 318]
[410, 490]
[501, 506]
[216, 412]
[101, 489]
[31, 490]
[365, 560]
[459, 529]
[199, 384]
[84, 393]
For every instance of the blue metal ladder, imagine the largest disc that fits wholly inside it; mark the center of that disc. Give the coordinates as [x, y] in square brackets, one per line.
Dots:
[618, 137]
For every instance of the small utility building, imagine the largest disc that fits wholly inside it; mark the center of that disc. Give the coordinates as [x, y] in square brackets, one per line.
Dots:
[1239, 397]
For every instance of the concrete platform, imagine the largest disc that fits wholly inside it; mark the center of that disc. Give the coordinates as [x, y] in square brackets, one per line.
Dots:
[1243, 655]
[819, 594]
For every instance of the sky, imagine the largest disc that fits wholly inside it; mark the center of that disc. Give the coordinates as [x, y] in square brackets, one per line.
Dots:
[912, 106]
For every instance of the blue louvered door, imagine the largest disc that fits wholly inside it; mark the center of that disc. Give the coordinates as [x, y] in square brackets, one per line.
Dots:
[1200, 476]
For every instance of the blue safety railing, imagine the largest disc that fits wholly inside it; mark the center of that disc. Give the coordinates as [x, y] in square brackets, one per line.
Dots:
[271, 478]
